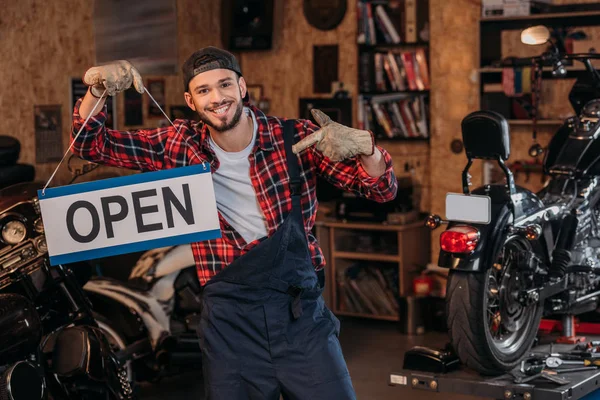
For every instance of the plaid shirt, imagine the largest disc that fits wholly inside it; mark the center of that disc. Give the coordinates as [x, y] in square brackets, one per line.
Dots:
[162, 148]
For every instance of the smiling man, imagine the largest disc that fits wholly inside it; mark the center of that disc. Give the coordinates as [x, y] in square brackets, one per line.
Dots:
[264, 330]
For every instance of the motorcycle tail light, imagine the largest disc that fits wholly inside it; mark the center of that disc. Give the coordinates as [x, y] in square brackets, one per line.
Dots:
[459, 239]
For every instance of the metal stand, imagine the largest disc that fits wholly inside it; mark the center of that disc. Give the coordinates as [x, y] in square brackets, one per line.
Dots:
[569, 337]
[468, 382]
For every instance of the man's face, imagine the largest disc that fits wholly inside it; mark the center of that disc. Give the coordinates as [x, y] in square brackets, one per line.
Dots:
[216, 96]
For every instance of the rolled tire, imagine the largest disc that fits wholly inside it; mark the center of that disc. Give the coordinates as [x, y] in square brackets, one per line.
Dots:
[10, 149]
[12, 174]
[117, 341]
[476, 332]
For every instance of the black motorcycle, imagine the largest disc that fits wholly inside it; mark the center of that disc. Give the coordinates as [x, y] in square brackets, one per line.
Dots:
[515, 256]
[50, 345]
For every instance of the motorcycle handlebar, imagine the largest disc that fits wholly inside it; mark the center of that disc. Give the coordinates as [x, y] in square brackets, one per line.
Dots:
[555, 59]
[549, 57]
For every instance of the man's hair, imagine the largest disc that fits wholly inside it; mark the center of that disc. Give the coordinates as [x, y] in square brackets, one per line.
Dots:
[207, 59]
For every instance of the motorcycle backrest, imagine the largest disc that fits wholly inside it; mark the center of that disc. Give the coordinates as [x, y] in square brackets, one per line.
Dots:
[486, 135]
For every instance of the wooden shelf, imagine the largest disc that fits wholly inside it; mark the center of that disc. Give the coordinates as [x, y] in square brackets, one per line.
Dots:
[369, 226]
[402, 139]
[537, 17]
[366, 256]
[392, 93]
[539, 122]
[370, 316]
[494, 70]
[392, 45]
[411, 245]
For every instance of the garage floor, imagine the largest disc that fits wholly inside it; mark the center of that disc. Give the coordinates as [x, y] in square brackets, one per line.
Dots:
[372, 349]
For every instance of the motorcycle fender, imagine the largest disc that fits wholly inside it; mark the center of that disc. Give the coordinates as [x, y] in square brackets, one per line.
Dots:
[155, 320]
[491, 236]
[129, 320]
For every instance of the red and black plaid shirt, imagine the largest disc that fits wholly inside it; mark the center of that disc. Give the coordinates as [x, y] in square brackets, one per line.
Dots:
[162, 148]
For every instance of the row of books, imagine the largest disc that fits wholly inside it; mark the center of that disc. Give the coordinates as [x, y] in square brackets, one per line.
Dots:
[374, 21]
[394, 71]
[368, 290]
[394, 116]
[392, 22]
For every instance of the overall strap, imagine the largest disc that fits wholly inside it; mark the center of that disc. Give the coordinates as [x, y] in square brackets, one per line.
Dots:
[294, 171]
[292, 160]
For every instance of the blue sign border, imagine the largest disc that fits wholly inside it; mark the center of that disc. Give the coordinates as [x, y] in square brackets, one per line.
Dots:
[134, 247]
[123, 181]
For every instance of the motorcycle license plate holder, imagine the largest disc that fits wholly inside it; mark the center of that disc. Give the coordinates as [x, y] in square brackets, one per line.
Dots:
[469, 208]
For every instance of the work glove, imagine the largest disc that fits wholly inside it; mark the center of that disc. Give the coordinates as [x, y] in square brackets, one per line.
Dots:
[114, 78]
[336, 141]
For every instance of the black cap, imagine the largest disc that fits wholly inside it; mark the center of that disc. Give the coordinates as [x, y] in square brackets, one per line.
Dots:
[206, 59]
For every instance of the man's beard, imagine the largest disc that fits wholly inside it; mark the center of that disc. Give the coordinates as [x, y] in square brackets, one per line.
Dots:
[222, 126]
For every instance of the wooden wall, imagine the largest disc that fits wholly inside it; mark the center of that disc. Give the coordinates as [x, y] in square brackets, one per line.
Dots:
[455, 93]
[46, 43]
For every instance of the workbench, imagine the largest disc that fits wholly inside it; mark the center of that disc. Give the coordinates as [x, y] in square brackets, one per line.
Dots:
[468, 382]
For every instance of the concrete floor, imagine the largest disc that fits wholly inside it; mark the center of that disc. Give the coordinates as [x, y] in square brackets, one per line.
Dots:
[372, 350]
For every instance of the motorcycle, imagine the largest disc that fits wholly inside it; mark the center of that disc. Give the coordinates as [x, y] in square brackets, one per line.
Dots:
[155, 312]
[50, 344]
[152, 314]
[514, 255]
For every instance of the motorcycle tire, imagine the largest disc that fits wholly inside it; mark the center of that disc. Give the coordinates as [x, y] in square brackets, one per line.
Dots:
[117, 342]
[10, 148]
[468, 304]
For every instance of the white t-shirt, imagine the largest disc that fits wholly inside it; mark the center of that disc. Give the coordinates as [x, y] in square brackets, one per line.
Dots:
[236, 199]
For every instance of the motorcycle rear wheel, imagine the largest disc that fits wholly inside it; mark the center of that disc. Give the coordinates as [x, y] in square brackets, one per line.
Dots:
[489, 329]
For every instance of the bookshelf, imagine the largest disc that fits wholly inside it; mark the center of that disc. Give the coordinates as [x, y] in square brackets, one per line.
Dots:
[370, 265]
[393, 69]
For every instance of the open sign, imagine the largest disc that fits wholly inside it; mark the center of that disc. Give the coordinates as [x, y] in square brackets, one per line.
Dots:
[129, 214]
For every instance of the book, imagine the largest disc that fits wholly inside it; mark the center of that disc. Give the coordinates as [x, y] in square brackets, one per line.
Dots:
[361, 36]
[410, 71]
[410, 20]
[387, 23]
[381, 120]
[421, 60]
[371, 25]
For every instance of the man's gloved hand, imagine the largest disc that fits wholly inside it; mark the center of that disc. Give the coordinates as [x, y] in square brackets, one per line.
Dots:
[336, 141]
[114, 78]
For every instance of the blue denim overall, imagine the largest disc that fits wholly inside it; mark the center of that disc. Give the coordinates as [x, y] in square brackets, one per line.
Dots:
[265, 329]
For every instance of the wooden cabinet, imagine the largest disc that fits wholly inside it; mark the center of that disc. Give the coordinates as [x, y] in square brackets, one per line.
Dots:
[399, 252]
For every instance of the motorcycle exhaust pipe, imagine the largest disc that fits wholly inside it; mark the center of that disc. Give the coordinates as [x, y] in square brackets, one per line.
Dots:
[587, 296]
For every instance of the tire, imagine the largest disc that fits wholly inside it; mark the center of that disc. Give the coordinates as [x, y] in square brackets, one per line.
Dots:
[10, 149]
[117, 341]
[471, 298]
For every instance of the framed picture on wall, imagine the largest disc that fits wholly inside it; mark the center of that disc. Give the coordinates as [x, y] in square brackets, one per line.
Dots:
[255, 92]
[156, 87]
[134, 115]
[339, 110]
[48, 133]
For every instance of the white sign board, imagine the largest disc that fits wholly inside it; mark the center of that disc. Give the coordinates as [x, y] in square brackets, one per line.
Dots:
[129, 214]
[468, 208]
